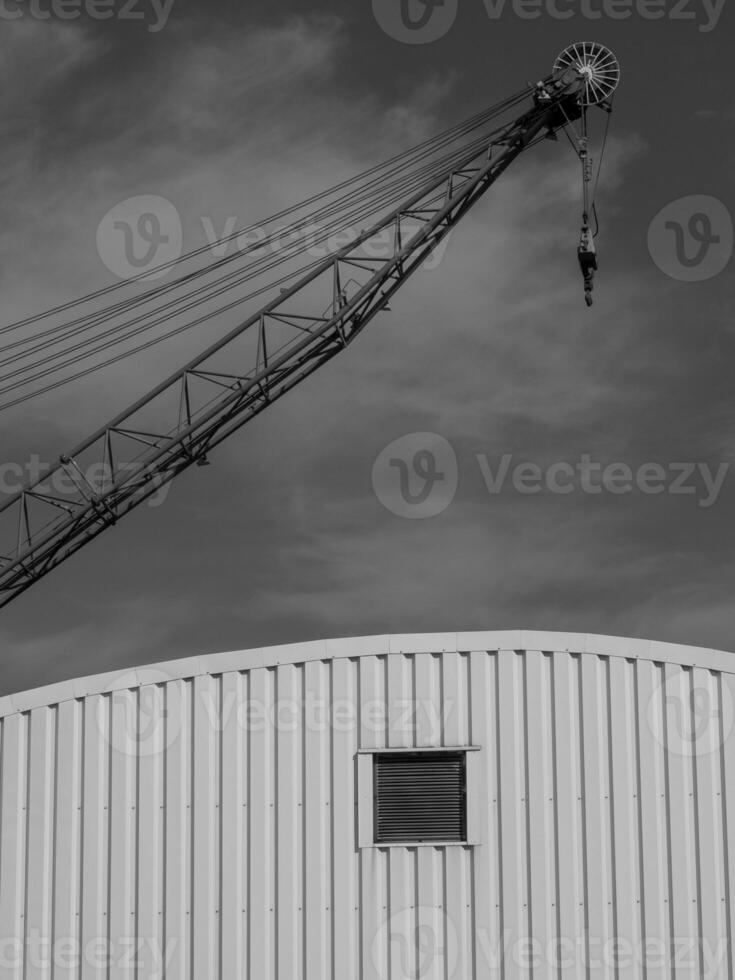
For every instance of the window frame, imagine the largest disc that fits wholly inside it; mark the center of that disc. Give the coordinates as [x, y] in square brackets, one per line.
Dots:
[366, 795]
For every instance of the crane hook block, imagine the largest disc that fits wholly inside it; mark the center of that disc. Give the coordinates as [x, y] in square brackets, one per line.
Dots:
[587, 254]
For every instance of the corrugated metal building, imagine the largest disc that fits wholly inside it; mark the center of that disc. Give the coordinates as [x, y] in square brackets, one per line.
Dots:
[234, 816]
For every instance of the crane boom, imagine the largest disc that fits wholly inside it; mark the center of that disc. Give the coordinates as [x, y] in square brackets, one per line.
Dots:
[264, 357]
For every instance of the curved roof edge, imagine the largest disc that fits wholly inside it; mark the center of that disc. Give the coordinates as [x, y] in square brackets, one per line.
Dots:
[296, 653]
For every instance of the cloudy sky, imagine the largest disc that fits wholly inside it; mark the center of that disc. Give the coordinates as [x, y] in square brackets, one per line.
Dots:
[235, 110]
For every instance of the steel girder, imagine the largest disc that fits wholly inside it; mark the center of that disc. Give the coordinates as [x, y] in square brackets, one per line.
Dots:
[271, 352]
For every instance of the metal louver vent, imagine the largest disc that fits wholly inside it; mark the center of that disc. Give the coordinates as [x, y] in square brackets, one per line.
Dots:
[419, 797]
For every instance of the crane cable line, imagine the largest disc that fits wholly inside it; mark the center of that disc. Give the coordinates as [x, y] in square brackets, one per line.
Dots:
[377, 198]
[202, 319]
[228, 383]
[155, 341]
[103, 315]
[205, 270]
[473, 122]
[327, 233]
[200, 298]
[201, 250]
[599, 166]
[274, 353]
[427, 146]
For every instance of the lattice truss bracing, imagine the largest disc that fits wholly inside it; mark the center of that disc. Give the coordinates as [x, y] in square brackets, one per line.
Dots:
[310, 321]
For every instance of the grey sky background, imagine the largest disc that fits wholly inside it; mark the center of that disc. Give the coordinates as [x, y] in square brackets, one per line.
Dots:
[237, 110]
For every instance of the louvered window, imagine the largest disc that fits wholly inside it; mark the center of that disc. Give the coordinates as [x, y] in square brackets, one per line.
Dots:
[419, 797]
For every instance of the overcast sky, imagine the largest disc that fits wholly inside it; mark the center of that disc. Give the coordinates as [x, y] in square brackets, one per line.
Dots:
[232, 109]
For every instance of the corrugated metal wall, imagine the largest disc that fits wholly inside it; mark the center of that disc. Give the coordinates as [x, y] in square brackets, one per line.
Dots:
[206, 827]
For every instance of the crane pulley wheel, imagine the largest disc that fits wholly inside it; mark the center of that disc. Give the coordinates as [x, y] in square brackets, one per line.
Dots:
[598, 66]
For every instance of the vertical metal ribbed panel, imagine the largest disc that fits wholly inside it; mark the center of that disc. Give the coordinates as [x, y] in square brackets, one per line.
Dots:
[201, 820]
